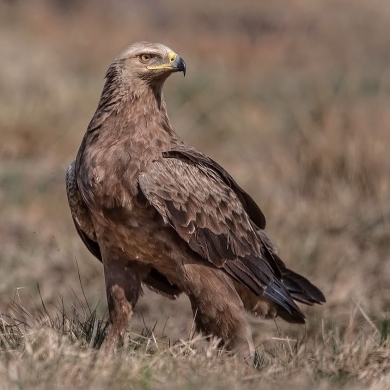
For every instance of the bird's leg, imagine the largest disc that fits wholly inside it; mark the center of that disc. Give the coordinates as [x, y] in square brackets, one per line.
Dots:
[234, 331]
[123, 285]
[217, 308]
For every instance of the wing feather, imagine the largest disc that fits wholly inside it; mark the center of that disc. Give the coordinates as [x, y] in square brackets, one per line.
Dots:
[212, 214]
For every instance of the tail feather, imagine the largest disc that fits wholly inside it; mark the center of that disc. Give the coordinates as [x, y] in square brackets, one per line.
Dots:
[278, 297]
[287, 308]
[299, 287]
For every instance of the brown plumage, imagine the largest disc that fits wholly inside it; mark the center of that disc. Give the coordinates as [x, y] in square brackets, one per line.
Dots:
[158, 212]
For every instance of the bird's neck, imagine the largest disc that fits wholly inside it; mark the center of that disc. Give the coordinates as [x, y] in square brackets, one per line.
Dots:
[126, 107]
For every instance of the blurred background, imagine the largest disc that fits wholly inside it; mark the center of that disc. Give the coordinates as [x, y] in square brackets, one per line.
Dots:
[291, 97]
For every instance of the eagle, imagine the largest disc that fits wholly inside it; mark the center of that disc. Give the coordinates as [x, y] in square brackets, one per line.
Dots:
[159, 213]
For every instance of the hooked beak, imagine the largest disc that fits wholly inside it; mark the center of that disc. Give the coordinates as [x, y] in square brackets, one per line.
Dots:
[175, 64]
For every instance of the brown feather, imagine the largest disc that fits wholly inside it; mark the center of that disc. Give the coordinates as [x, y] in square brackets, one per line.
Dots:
[155, 210]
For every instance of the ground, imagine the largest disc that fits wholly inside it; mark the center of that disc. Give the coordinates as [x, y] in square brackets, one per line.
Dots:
[291, 98]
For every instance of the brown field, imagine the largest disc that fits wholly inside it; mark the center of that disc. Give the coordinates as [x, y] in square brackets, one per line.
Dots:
[292, 98]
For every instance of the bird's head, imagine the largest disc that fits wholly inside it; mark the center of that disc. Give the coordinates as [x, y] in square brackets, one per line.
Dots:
[149, 62]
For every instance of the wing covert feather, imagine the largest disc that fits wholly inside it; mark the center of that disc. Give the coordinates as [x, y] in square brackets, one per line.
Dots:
[202, 208]
[209, 215]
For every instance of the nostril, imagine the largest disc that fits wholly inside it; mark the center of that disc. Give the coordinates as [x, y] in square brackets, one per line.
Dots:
[172, 56]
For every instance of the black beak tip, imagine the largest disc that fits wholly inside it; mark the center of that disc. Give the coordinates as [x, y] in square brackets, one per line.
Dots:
[182, 66]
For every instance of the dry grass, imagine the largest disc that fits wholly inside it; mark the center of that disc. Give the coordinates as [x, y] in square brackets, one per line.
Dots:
[41, 351]
[291, 97]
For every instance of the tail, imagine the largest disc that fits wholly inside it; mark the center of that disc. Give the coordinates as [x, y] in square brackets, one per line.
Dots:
[279, 296]
[299, 289]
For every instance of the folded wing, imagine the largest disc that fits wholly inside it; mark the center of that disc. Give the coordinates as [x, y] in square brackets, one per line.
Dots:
[214, 216]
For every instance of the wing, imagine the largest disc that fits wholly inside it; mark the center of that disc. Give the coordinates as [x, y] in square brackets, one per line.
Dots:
[299, 287]
[84, 226]
[216, 218]
[80, 213]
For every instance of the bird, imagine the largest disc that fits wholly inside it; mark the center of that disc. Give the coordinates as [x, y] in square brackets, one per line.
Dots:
[158, 213]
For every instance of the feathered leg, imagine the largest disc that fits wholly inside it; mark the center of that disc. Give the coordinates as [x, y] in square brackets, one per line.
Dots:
[123, 286]
[217, 308]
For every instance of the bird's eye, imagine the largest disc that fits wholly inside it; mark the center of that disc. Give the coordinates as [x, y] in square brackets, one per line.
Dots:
[145, 57]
